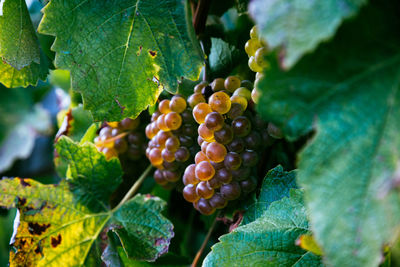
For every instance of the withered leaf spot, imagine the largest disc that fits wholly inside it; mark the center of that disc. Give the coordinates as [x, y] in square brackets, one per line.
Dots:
[21, 201]
[23, 183]
[37, 229]
[55, 241]
[152, 53]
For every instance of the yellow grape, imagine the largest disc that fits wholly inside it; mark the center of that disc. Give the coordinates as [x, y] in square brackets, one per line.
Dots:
[240, 100]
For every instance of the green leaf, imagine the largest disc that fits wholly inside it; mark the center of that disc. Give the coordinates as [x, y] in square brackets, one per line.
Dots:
[121, 54]
[269, 240]
[349, 169]
[298, 26]
[223, 57]
[74, 122]
[19, 46]
[20, 122]
[276, 185]
[94, 177]
[56, 227]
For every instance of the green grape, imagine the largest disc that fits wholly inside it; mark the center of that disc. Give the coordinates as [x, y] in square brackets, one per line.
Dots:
[200, 156]
[232, 83]
[199, 87]
[200, 112]
[244, 92]
[155, 157]
[204, 207]
[189, 176]
[241, 126]
[172, 143]
[255, 95]
[189, 193]
[177, 104]
[204, 171]
[240, 100]
[163, 107]
[216, 152]
[220, 102]
[214, 121]
[173, 120]
[232, 161]
[254, 32]
[259, 57]
[217, 201]
[204, 191]
[230, 191]
[218, 84]
[195, 99]
[223, 175]
[120, 145]
[251, 46]
[205, 133]
[159, 177]
[182, 154]
[167, 155]
[253, 65]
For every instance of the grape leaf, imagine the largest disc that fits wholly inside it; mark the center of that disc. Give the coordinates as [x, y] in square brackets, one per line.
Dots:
[223, 57]
[269, 240]
[21, 62]
[349, 169]
[298, 26]
[21, 121]
[121, 54]
[74, 122]
[276, 185]
[93, 176]
[55, 227]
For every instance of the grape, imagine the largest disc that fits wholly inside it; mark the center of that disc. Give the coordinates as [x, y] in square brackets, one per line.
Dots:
[106, 132]
[235, 111]
[173, 120]
[247, 84]
[172, 143]
[171, 176]
[214, 121]
[224, 135]
[207, 91]
[161, 123]
[218, 84]
[120, 145]
[232, 83]
[155, 115]
[217, 165]
[189, 130]
[250, 158]
[154, 128]
[241, 126]
[241, 174]
[182, 154]
[204, 171]
[177, 104]
[251, 46]
[167, 155]
[200, 156]
[159, 177]
[199, 87]
[129, 124]
[189, 176]
[204, 191]
[204, 207]
[200, 112]
[230, 191]
[223, 175]
[240, 100]
[172, 166]
[220, 102]
[232, 161]
[217, 201]
[255, 95]
[205, 133]
[189, 193]
[254, 32]
[155, 157]
[249, 185]
[162, 137]
[237, 145]
[204, 146]
[216, 152]
[115, 131]
[187, 116]
[186, 141]
[214, 183]
[274, 131]
[200, 140]
[244, 92]
[135, 153]
[135, 138]
[259, 57]
[195, 99]
[109, 152]
[253, 65]
[163, 107]
[253, 140]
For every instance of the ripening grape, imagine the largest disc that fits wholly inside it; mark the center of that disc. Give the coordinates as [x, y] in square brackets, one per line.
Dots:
[182, 154]
[195, 99]
[216, 152]
[223, 175]
[187, 116]
[155, 156]
[248, 185]
[200, 140]
[161, 123]
[253, 140]
[220, 102]
[253, 65]
[120, 145]
[241, 174]
[177, 104]
[136, 138]
[205, 133]
[172, 143]
[167, 155]
[200, 112]
[251, 46]
[235, 111]
[171, 176]
[163, 107]
[204, 191]
[214, 183]
[199, 87]
[173, 120]
[232, 161]
[129, 124]
[189, 193]
[204, 171]
[217, 201]
[232, 83]
[237, 145]
[214, 121]
[224, 135]
[159, 177]
[255, 95]
[155, 115]
[254, 32]
[247, 84]
[230, 191]
[259, 57]
[244, 92]
[162, 137]
[218, 84]
[189, 176]
[240, 100]
[204, 207]
[217, 165]
[204, 146]
[241, 126]
[200, 156]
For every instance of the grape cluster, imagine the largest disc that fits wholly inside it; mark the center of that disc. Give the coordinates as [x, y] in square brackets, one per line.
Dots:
[229, 135]
[256, 49]
[172, 136]
[121, 139]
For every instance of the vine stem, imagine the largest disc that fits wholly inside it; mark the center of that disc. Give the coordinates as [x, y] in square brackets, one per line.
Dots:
[203, 246]
[134, 187]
